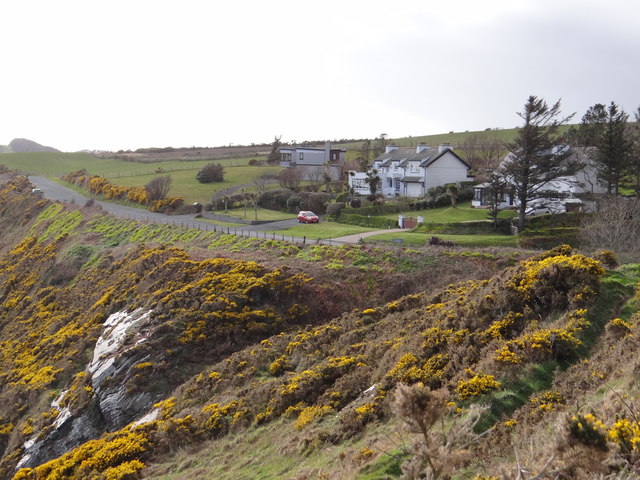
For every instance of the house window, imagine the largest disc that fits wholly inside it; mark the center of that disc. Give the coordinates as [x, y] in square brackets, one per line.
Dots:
[414, 168]
[396, 184]
[286, 157]
[334, 156]
[477, 194]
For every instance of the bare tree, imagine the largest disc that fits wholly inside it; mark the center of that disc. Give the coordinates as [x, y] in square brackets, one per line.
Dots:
[261, 181]
[443, 443]
[291, 177]
[614, 226]
[483, 151]
[494, 196]
[316, 179]
[158, 187]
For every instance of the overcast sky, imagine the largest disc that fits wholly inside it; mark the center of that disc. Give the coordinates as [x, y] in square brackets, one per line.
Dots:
[109, 75]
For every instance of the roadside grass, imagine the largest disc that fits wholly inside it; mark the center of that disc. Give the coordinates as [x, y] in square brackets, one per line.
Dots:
[184, 183]
[322, 230]
[421, 239]
[262, 214]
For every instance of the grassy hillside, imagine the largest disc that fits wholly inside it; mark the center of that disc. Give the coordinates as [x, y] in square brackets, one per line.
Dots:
[145, 351]
[64, 273]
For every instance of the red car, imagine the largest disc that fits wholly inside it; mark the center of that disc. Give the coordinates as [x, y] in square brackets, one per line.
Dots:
[306, 216]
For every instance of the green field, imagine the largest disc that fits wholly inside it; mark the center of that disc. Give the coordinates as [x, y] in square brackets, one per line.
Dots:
[54, 164]
[184, 183]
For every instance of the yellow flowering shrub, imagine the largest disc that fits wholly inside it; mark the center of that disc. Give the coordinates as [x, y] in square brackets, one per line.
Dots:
[309, 414]
[625, 434]
[409, 369]
[477, 384]
[587, 429]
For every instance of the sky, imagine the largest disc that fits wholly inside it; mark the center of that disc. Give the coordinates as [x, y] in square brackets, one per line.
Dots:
[111, 75]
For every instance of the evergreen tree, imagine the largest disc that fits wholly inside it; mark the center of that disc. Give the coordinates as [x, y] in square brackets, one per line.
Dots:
[274, 155]
[634, 156]
[605, 129]
[537, 153]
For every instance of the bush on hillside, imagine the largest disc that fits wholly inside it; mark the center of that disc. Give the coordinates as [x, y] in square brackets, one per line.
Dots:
[212, 172]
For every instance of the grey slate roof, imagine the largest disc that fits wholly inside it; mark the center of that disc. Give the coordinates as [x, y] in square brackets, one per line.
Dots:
[405, 155]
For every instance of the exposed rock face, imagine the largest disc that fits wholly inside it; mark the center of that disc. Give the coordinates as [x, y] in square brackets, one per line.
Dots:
[113, 405]
[111, 366]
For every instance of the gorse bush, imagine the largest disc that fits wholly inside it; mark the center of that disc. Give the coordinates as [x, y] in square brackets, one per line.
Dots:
[140, 195]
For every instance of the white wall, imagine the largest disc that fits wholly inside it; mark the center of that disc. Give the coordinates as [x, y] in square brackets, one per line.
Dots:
[446, 169]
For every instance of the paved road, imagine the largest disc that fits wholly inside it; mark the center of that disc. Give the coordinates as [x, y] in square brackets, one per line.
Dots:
[54, 191]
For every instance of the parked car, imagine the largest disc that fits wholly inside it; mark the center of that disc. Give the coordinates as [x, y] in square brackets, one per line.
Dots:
[306, 216]
[540, 206]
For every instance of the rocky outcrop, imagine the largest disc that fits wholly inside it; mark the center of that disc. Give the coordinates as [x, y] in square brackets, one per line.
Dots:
[113, 405]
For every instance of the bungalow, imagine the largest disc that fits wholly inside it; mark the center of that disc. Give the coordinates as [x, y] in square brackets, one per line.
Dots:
[560, 194]
[411, 172]
[314, 162]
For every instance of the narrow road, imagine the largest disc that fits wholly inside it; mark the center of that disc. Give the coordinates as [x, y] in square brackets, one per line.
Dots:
[57, 192]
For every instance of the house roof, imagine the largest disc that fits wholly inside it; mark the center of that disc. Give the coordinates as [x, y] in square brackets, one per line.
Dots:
[405, 155]
[415, 179]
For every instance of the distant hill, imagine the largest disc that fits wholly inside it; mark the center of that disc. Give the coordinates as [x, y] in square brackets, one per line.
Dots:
[21, 145]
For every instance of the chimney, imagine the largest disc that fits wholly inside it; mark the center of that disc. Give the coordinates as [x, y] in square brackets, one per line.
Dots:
[444, 146]
[421, 148]
[391, 148]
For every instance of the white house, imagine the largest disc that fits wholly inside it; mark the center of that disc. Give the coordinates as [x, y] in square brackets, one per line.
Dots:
[411, 172]
[314, 162]
[560, 194]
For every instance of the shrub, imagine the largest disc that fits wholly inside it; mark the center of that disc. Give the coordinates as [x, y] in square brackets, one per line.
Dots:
[334, 209]
[275, 199]
[158, 188]
[342, 197]
[211, 172]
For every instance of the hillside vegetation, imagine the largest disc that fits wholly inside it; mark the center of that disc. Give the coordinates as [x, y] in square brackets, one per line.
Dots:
[144, 351]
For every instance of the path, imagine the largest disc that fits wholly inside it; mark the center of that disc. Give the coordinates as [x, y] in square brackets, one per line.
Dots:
[359, 236]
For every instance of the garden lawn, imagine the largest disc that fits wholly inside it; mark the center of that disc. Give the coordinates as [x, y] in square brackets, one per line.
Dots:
[409, 238]
[461, 213]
